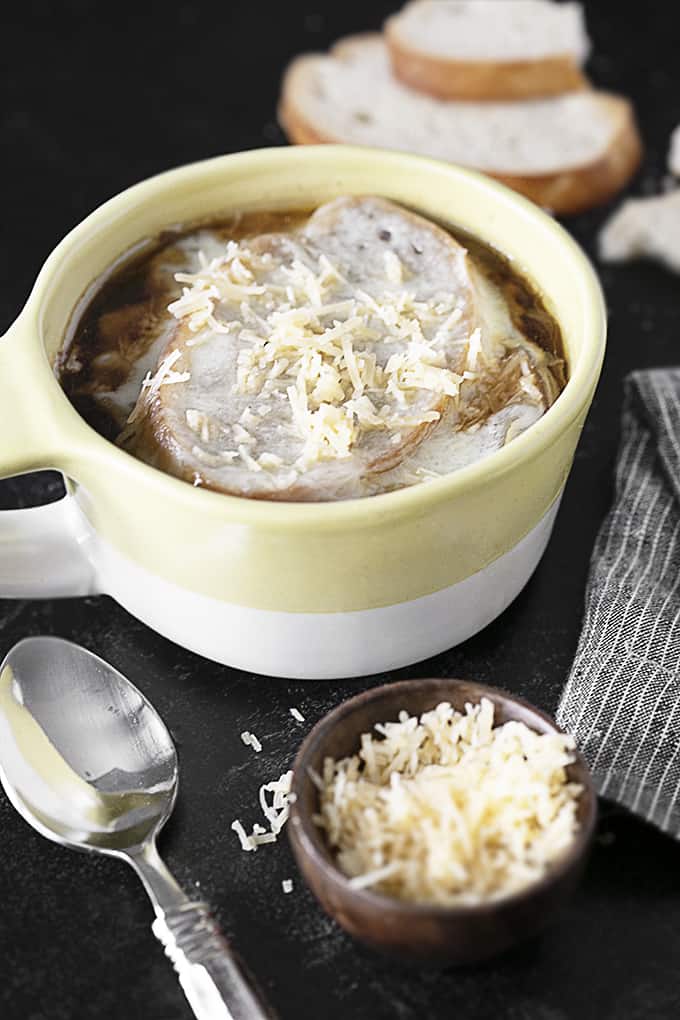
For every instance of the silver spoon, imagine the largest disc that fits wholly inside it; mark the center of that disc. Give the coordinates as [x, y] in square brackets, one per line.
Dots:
[87, 761]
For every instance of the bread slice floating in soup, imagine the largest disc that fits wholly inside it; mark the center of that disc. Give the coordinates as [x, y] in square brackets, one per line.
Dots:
[341, 354]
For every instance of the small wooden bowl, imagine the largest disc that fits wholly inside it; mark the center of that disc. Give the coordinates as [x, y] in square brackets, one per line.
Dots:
[421, 932]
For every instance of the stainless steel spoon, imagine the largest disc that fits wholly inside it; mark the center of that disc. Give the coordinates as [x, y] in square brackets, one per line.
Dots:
[87, 761]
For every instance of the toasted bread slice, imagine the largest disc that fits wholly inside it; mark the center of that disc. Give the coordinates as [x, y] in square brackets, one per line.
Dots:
[566, 153]
[291, 372]
[494, 50]
[644, 228]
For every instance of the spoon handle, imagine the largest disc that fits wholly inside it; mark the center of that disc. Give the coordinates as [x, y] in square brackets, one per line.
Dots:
[215, 982]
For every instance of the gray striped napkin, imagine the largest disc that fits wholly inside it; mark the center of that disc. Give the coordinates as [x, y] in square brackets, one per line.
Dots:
[622, 698]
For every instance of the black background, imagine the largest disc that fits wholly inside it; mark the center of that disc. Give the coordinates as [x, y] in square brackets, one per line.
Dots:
[94, 98]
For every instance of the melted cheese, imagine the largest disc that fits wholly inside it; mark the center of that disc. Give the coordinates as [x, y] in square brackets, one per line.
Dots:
[322, 351]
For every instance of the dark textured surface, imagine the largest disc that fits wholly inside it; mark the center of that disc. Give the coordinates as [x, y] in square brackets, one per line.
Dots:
[95, 97]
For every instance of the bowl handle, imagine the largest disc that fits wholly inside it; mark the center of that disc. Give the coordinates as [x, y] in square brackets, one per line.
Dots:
[43, 550]
[43, 553]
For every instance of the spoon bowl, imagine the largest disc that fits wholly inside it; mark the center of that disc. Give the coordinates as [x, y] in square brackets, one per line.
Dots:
[85, 758]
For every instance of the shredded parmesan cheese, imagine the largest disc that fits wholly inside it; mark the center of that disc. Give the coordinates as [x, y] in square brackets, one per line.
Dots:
[297, 714]
[449, 809]
[287, 885]
[250, 740]
[199, 422]
[275, 800]
[245, 840]
[322, 353]
[164, 376]
[474, 351]
[394, 269]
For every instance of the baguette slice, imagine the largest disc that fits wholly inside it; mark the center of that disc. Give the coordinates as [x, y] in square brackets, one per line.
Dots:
[644, 228]
[291, 308]
[493, 49]
[567, 153]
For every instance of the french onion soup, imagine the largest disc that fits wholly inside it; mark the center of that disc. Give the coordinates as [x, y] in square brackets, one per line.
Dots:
[346, 352]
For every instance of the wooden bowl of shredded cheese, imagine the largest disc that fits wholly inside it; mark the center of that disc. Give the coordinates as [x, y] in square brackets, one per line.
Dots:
[440, 819]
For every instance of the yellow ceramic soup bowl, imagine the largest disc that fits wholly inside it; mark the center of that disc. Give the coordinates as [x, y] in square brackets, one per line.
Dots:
[305, 590]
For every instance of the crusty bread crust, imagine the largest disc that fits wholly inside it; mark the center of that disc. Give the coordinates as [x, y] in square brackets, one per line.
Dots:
[576, 189]
[565, 192]
[479, 80]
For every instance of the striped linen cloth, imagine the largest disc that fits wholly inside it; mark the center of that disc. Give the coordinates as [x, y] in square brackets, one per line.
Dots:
[622, 699]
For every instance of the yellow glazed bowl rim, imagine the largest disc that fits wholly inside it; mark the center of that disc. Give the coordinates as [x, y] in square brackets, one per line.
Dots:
[84, 441]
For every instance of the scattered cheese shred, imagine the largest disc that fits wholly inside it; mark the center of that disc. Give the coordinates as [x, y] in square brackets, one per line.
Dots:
[474, 350]
[297, 714]
[287, 885]
[275, 800]
[250, 740]
[245, 840]
[199, 422]
[449, 809]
